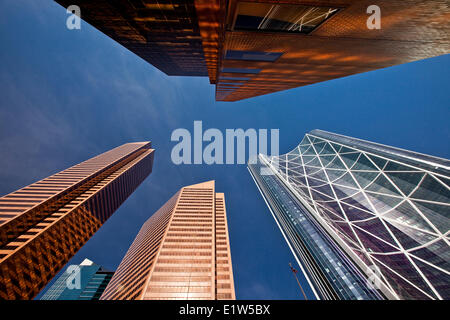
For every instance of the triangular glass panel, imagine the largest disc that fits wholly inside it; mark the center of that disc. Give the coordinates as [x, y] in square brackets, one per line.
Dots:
[432, 190]
[315, 162]
[326, 189]
[444, 181]
[438, 279]
[382, 185]
[306, 149]
[419, 237]
[439, 215]
[346, 180]
[334, 174]
[311, 170]
[319, 196]
[336, 146]
[307, 159]
[292, 157]
[378, 161]
[383, 203]
[329, 214]
[365, 177]
[346, 149]
[394, 166]
[320, 175]
[304, 141]
[403, 267]
[318, 145]
[350, 158]
[327, 149]
[336, 164]
[315, 182]
[373, 244]
[404, 236]
[377, 228]
[406, 214]
[344, 192]
[345, 229]
[436, 254]
[304, 189]
[327, 159]
[354, 214]
[364, 163]
[359, 200]
[405, 181]
[334, 207]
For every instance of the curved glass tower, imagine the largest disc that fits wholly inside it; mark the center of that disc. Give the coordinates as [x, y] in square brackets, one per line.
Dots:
[386, 209]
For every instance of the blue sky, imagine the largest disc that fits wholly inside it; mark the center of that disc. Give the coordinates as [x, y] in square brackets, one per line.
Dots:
[67, 95]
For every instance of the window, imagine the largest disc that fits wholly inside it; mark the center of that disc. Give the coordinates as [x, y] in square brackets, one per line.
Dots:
[286, 18]
[252, 55]
[232, 84]
[241, 70]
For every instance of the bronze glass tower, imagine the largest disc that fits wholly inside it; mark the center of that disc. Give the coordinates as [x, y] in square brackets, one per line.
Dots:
[44, 224]
[181, 252]
[255, 47]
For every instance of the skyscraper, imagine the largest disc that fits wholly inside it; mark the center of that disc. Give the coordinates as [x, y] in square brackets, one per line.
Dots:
[87, 282]
[386, 209]
[44, 224]
[181, 252]
[253, 47]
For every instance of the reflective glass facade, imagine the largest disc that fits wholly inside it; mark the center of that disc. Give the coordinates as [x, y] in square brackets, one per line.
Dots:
[45, 223]
[181, 253]
[290, 43]
[388, 208]
[329, 271]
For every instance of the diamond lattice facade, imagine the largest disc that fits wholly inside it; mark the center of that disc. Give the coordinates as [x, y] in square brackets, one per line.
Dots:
[44, 224]
[181, 252]
[387, 208]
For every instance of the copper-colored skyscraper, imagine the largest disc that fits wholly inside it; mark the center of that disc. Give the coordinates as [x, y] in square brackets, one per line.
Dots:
[44, 224]
[181, 252]
[254, 47]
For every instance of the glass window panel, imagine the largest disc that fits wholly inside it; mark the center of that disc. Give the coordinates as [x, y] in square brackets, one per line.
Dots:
[406, 214]
[364, 164]
[252, 55]
[405, 181]
[436, 213]
[235, 78]
[382, 185]
[431, 189]
[240, 70]
[365, 177]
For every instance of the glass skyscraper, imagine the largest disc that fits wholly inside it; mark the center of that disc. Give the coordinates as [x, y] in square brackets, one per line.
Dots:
[251, 48]
[181, 252]
[45, 223]
[361, 216]
[93, 280]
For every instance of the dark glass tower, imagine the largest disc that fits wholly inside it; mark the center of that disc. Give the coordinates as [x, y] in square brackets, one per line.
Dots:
[93, 280]
[387, 210]
[251, 48]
